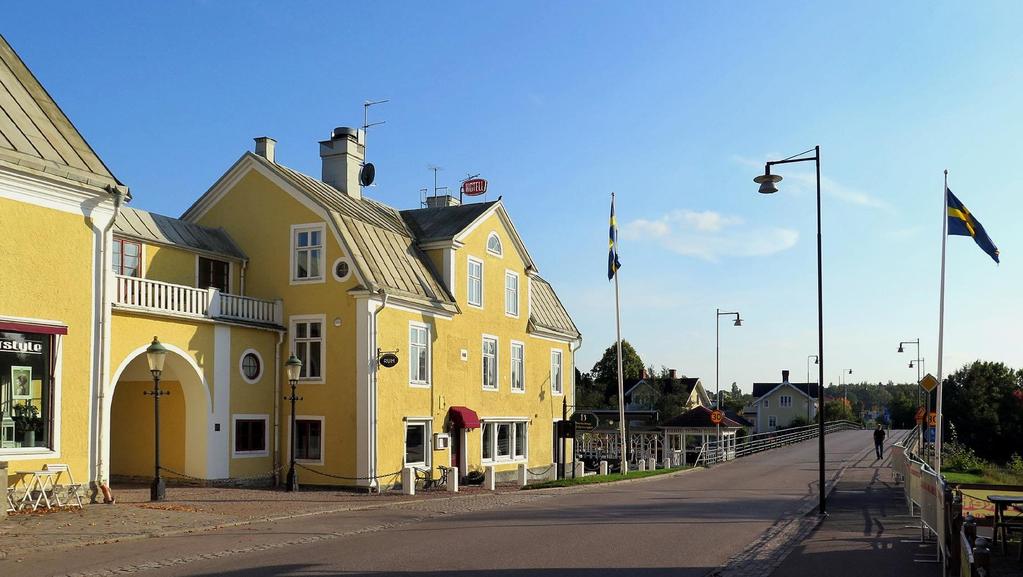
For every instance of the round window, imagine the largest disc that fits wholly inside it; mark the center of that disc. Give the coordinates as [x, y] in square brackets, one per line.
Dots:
[250, 367]
[341, 269]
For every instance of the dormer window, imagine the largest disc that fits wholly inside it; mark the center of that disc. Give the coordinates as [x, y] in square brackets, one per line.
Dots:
[494, 244]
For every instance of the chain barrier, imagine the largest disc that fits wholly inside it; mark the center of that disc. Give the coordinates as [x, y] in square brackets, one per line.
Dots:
[228, 481]
[542, 473]
[344, 478]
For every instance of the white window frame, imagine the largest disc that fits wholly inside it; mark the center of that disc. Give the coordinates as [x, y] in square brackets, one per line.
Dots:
[508, 274]
[511, 458]
[427, 441]
[560, 388]
[785, 401]
[323, 438]
[292, 324]
[266, 436]
[497, 363]
[424, 382]
[468, 282]
[241, 366]
[292, 272]
[500, 245]
[511, 366]
[772, 421]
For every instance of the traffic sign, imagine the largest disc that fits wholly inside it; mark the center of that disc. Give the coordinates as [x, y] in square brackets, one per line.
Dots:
[932, 419]
[919, 417]
[928, 383]
[929, 435]
[716, 416]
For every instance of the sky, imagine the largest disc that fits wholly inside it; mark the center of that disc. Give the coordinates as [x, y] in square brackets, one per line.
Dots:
[674, 106]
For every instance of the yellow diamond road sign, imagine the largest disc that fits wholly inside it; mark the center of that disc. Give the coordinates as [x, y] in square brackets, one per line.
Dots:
[928, 383]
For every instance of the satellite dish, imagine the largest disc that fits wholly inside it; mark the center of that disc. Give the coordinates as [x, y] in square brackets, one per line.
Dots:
[367, 174]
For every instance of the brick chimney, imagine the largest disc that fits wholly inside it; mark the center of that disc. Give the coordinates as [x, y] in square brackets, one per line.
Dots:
[785, 376]
[342, 157]
[265, 147]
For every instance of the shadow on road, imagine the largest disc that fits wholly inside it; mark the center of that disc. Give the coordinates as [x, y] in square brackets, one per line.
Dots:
[305, 570]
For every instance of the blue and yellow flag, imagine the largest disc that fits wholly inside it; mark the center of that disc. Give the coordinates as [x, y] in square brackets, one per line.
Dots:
[612, 244]
[962, 223]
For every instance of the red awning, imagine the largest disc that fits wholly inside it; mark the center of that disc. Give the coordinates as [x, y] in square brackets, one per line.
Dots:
[464, 417]
[33, 328]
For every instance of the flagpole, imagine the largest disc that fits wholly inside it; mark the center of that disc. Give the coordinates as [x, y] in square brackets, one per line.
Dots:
[621, 383]
[941, 327]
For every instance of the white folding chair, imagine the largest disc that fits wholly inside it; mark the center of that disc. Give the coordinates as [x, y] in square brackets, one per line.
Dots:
[71, 490]
[12, 499]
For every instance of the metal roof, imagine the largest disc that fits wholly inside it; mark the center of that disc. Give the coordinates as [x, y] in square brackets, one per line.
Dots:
[546, 310]
[160, 229]
[443, 222]
[761, 389]
[34, 132]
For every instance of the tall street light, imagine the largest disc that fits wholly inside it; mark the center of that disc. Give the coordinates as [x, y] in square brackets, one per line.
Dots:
[845, 385]
[717, 361]
[768, 184]
[293, 366]
[919, 391]
[156, 354]
[816, 361]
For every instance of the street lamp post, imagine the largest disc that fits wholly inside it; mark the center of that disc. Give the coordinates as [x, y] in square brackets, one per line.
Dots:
[156, 354]
[293, 367]
[845, 385]
[717, 361]
[919, 391]
[768, 184]
[816, 361]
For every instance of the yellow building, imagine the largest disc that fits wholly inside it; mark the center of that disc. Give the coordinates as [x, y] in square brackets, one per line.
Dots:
[450, 289]
[267, 263]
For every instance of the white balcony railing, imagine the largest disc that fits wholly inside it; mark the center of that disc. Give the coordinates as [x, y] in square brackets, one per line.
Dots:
[179, 300]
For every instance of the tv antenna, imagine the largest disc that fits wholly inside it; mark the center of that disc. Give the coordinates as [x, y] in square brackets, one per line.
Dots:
[366, 124]
[435, 169]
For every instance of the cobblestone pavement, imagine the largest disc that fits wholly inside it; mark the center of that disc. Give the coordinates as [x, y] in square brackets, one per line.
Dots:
[187, 509]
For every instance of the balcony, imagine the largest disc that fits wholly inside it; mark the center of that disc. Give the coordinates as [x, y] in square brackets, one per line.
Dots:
[183, 301]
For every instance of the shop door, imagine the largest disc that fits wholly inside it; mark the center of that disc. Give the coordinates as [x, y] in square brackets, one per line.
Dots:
[456, 450]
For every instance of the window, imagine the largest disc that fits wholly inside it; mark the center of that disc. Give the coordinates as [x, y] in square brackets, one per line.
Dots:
[785, 401]
[309, 439]
[307, 244]
[27, 367]
[556, 385]
[417, 438]
[772, 421]
[419, 355]
[494, 244]
[126, 255]
[767, 403]
[251, 366]
[250, 435]
[511, 294]
[518, 367]
[504, 440]
[490, 363]
[475, 292]
[215, 274]
[307, 340]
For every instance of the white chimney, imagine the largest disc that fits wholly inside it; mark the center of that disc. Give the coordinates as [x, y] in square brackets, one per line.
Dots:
[342, 157]
[441, 201]
[265, 147]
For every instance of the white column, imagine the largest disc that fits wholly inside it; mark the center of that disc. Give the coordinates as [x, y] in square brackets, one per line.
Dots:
[408, 481]
[580, 469]
[453, 479]
[523, 475]
[489, 481]
[603, 467]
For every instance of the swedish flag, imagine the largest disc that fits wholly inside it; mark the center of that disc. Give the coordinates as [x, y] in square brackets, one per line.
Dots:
[962, 223]
[612, 244]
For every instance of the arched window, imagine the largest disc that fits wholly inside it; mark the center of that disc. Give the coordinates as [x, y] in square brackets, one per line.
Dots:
[494, 244]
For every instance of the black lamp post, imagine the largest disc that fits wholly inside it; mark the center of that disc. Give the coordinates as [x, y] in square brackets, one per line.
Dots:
[816, 361]
[717, 362]
[294, 368]
[768, 184]
[156, 354]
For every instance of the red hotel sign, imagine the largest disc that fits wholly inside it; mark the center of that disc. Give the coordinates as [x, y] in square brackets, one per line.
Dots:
[474, 187]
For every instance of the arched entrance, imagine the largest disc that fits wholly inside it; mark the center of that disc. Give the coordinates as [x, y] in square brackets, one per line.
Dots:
[184, 415]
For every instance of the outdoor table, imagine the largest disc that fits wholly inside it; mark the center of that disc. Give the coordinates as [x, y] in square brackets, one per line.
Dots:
[1002, 502]
[39, 486]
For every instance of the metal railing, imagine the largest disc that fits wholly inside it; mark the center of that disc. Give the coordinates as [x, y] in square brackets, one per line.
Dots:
[180, 300]
[712, 452]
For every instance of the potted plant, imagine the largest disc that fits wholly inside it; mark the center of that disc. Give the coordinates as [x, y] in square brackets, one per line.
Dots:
[474, 477]
[26, 419]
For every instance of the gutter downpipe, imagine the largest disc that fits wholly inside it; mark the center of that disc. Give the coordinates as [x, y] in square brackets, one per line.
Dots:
[374, 482]
[572, 348]
[100, 483]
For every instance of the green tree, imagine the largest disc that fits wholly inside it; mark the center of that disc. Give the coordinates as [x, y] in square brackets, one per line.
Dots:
[605, 372]
[588, 395]
[734, 400]
[984, 402]
[837, 410]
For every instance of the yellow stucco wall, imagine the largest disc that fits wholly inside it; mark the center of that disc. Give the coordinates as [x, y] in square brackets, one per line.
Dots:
[131, 429]
[253, 398]
[46, 262]
[179, 266]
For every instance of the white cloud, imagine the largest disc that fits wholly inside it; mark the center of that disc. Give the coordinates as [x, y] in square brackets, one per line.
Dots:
[709, 235]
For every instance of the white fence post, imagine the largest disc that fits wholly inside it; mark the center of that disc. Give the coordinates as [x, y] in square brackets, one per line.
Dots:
[489, 482]
[651, 463]
[580, 469]
[523, 475]
[408, 481]
[642, 465]
[603, 467]
[453, 479]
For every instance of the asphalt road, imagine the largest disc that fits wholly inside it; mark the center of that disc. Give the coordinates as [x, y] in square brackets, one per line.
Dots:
[681, 525]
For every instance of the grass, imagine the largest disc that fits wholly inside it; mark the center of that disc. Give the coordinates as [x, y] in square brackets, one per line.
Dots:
[596, 479]
[988, 476]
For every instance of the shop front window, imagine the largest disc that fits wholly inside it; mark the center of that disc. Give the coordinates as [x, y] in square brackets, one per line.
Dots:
[26, 390]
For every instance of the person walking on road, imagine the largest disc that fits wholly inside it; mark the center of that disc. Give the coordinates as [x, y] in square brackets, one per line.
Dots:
[879, 435]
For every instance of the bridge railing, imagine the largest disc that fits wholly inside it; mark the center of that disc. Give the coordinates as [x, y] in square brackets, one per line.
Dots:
[714, 452]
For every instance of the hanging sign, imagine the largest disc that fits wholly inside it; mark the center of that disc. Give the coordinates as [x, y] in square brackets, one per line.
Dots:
[388, 360]
[474, 187]
[585, 421]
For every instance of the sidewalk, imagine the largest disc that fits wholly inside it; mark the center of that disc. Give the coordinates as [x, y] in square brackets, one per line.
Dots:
[863, 533]
[189, 509]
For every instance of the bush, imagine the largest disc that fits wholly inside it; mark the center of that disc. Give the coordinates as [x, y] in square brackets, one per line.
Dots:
[960, 458]
[1015, 464]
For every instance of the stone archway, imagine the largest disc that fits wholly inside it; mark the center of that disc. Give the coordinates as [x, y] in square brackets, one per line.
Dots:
[184, 417]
